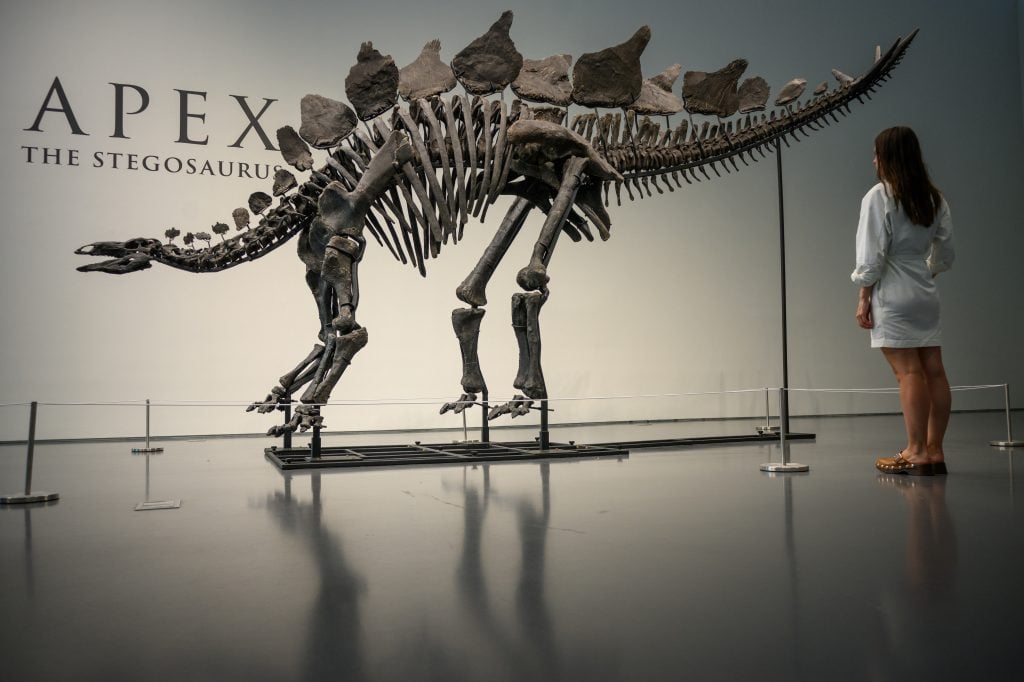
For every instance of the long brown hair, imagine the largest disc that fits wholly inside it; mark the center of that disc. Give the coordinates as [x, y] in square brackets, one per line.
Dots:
[901, 166]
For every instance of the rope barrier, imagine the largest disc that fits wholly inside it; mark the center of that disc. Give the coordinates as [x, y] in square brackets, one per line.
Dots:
[894, 389]
[383, 402]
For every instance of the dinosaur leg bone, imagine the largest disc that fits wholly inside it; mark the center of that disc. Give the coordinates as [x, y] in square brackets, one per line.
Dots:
[308, 368]
[466, 322]
[348, 345]
[473, 288]
[534, 276]
[530, 377]
[307, 415]
[341, 260]
[336, 244]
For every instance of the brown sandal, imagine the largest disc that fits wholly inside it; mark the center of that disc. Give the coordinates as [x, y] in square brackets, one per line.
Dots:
[898, 465]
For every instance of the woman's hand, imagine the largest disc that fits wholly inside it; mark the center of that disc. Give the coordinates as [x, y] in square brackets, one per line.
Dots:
[864, 316]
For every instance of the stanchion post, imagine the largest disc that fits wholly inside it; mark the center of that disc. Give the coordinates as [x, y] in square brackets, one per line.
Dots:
[314, 443]
[767, 428]
[545, 436]
[785, 466]
[287, 418]
[485, 427]
[147, 448]
[28, 495]
[33, 411]
[1009, 442]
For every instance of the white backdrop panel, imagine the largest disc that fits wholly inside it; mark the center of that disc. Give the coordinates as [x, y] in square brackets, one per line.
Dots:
[684, 297]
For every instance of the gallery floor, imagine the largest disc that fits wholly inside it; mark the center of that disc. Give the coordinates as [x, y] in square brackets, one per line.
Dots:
[685, 564]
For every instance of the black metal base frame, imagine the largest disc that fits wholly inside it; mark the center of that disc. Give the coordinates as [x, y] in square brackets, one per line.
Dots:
[434, 453]
[767, 437]
[288, 459]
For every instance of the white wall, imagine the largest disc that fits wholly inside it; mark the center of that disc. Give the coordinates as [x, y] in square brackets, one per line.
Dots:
[684, 298]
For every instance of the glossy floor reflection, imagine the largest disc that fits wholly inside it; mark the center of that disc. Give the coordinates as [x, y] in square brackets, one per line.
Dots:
[666, 565]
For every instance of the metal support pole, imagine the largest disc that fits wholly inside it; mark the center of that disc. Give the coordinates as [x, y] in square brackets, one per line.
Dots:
[784, 405]
[287, 418]
[465, 429]
[785, 466]
[147, 448]
[314, 443]
[1009, 442]
[28, 495]
[767, 428]
[485, 427]
[545, 437]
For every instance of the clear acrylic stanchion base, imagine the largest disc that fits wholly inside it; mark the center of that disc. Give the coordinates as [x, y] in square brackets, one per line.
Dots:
[784, 467]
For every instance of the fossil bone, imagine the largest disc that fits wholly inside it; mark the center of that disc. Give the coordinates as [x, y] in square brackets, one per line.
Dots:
[427, 76]
[656, 96]
[610, 77]
[714, 93]
[294, 149]
[545, 80]
[791, 91]
[753, 94]
[325, 122]
[843, 79]
[491, 62]
[372, 83]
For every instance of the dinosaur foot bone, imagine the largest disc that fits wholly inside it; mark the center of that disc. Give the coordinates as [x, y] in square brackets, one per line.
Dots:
[465, 400]
[270, 403]
[519, 406]
[305, 418]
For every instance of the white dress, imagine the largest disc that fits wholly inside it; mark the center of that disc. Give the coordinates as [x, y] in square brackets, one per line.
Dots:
[901, 259]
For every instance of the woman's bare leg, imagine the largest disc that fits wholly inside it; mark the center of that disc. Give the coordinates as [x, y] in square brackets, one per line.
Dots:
[941, 400]
[915, 399]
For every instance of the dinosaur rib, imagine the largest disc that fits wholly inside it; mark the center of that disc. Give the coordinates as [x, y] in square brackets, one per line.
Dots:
[453, 141]
[436, 140]
[485, 138]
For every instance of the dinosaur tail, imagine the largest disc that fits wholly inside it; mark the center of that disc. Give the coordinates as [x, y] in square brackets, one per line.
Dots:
[276, 226]
[689, 151]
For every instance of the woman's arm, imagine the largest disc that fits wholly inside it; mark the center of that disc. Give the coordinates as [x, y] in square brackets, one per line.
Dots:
[864, 317]
[942, 253]
[872, 238]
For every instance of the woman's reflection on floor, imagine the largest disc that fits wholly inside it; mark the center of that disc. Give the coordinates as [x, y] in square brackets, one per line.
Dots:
[920, 608]
[333, 641]
[931, 539]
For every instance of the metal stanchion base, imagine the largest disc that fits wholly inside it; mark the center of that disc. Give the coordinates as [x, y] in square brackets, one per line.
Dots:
[144, 450]
[158, 504]
[789, 467]
[767, 429]
[1007, 443]
[22, 498]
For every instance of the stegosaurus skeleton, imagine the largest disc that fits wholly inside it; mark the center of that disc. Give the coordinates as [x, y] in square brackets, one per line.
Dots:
[426, 168]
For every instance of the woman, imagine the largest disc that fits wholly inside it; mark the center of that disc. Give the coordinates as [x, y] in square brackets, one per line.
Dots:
[904, 239]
